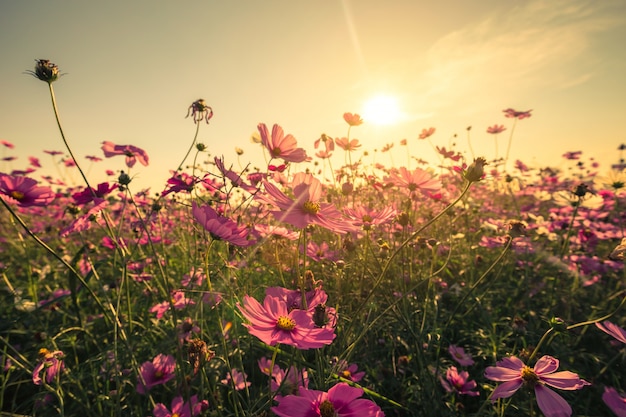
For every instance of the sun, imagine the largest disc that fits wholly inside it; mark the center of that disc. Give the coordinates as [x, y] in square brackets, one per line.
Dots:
[381, 110]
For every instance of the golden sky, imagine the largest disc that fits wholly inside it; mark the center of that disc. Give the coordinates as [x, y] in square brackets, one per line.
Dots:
[133, 68]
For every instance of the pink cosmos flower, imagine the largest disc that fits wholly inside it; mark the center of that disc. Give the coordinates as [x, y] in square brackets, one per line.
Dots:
[89, 194]
[572, 155]
[427, 133]
[7, 144]
[234, 178]
[93, 158]
[281, 146]
[266, 231]
[513, 114]
[342, 400]
[274, 323]
[34, 162]
[54, 153]
[416, 180]
[239, 379]
[613, 330]
[348, 145]
[459, 355]
[513, 373]
[178, 301]
[349, 371]
[352, 119]
[455, 156]
[51, 364]
[320, 252]
[84, 222]
[293, 298]
[181, 409]
[289, 381]
[495, 129]
[24, 191]
[615, 401]
[329, 147]
[132, 153]
[458, 382]
[157, 372]
[220, 227]
[306, 208]
[365, 217]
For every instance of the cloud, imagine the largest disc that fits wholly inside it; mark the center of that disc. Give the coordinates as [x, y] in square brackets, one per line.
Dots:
[536, 45]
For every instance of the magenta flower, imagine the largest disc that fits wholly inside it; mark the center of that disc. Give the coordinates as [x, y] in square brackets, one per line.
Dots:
[24, 191]
[514, 114]
[613, 330]
[427, 133]
[495, 129]
[220, 227]
[7, 144]
[234, 178]
[615, 401]
[458, 382]
[459, 355]
[51, 364]
[281, 146]
[239, 379]
[273, 323]
[306, 208]
[342, 400]
[181, 409]
[288, 381]
[88, 194]
[349, 371]
[132, 153]
[34, 162]
[157, 372]
[513, 373]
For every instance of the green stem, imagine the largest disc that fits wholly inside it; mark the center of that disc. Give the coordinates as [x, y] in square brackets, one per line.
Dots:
[67, 146]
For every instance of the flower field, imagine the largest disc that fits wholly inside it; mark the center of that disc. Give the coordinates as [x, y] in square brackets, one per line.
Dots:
[467, 287]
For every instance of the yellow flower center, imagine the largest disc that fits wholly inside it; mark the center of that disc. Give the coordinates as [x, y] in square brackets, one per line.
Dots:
[327, 409]
[311, 207]
[18, 195]
[529, 376]
[43, 352]
[158, 374]
[285, 323]
[367, 218]
[346, 374]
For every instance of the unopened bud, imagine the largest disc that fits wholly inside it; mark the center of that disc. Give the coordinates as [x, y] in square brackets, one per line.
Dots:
[476, 170]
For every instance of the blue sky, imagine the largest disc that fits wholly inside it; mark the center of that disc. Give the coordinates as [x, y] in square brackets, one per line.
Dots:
[133, 68]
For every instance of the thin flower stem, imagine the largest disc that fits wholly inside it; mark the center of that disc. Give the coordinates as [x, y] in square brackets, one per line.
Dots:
[508, 146]
[193, 142]
[69, 267]
[405, 243]
[574, 326]
[67, 146]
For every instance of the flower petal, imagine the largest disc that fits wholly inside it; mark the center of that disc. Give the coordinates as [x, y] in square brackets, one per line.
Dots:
[550, 403]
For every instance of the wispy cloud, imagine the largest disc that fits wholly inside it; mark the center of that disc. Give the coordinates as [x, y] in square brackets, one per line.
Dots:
[534, 46]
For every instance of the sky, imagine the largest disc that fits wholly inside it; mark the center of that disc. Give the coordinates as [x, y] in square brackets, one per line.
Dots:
[132, 69]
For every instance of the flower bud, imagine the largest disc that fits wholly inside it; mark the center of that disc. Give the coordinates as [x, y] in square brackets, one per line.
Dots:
[476, 170]
[45, 71]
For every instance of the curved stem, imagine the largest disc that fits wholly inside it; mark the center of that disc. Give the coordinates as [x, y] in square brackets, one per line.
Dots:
[67, 146]
[193, 142]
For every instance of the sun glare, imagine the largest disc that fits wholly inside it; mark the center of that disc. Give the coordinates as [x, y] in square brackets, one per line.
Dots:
[381, 110]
